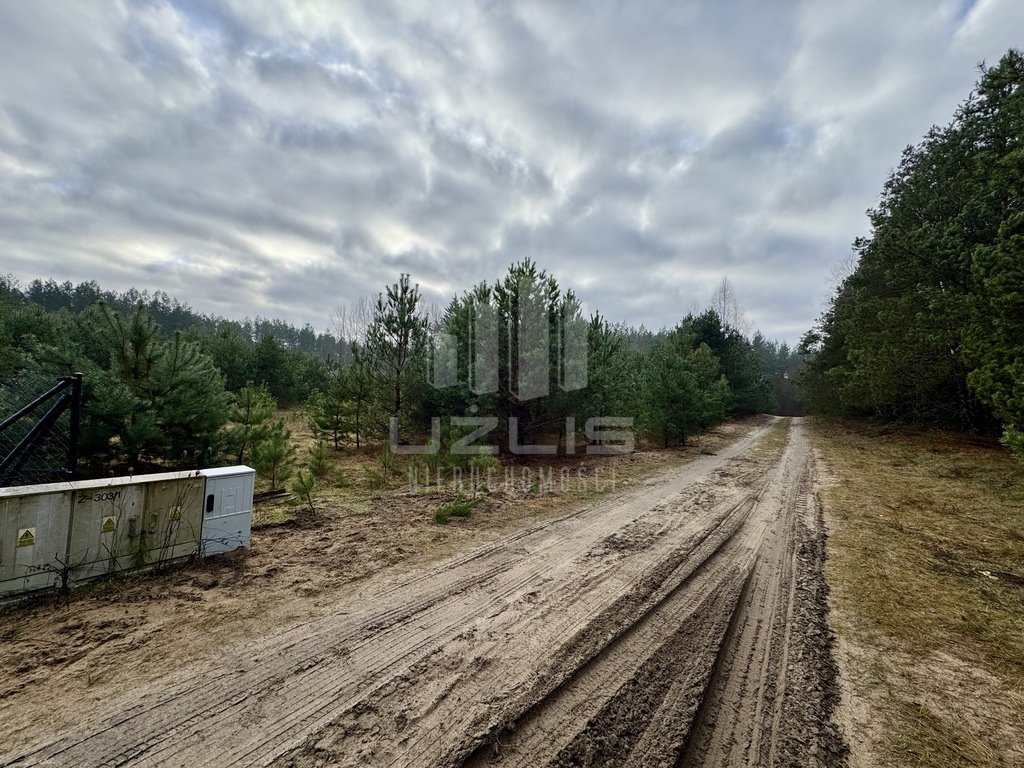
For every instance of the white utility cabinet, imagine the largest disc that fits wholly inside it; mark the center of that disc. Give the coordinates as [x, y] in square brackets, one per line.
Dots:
[227, 508]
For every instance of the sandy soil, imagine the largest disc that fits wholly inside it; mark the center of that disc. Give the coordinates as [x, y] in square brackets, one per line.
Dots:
[680, 622]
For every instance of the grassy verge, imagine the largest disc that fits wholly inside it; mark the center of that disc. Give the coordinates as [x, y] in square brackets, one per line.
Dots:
[774, 441]
[926, 565]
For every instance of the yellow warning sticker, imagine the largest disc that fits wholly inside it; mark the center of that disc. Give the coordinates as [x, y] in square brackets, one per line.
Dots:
[26, 537]
[109, 525]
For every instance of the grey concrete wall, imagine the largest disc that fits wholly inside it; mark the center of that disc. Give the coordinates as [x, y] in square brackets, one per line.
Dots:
[97, 527]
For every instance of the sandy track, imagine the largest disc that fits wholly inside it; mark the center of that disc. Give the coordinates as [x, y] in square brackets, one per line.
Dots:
[681, 622]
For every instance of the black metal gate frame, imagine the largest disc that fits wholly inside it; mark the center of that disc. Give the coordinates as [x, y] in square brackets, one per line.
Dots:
[68, 393]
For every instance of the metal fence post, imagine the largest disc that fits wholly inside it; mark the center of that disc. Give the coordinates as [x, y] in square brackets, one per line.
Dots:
[75, 426]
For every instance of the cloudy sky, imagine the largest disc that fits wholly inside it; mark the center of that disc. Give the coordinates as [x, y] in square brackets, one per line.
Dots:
[254, 157]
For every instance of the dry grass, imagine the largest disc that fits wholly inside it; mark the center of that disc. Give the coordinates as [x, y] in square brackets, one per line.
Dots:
[774, 441]
[925, 562]
[354, 481]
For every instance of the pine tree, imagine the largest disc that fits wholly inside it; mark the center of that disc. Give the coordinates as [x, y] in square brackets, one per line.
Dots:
[395, 350]
[249, 419]
[997, 339]
[190, 402]
[274, 458]
[304, 487]
[672, 398]
[230, 352]
[319, 461]
[360, 387]
[919, 331]
[329, 411]
[612, 375]
[271, 365]
[125, 395]
[145, 399]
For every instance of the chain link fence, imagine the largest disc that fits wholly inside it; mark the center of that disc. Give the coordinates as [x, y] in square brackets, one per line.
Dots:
[38, 429]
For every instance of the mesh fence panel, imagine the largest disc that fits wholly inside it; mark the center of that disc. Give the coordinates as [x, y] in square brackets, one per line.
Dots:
[46, 460]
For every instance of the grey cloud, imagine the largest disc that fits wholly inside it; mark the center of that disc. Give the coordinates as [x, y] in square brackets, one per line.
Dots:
[257, 157]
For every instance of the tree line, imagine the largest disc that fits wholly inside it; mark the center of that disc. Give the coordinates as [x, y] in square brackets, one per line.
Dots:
[167, 388]
[289, 358]
[929, 327]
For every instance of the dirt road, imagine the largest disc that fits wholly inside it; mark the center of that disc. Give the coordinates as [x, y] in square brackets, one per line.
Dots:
[679, 623]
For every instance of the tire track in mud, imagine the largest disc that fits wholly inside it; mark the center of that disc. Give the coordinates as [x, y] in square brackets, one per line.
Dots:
[636, 704]
[598, 637]
[384, 640]
[772, 690]
[594, 637]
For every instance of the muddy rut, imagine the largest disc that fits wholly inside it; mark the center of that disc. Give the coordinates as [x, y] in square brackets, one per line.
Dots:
[679, 623]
